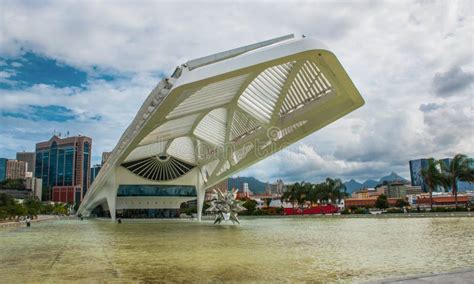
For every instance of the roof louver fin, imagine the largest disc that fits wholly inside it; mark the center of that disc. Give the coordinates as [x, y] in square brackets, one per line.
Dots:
[261, 95]
[212, 127]
[309, 84]
[242, 126]
[212, 95]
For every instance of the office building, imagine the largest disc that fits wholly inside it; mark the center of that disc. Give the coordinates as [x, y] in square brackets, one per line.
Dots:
[105, 156]
[29, 159]
[15, 169]
[278, 187]
[223, 187]
[3, 169]
[95, 171]
[396, 190]
[64, 166]
[35, 185]
[415, 173]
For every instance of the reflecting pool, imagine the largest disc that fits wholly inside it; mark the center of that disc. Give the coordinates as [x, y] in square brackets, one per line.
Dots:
[261, 250]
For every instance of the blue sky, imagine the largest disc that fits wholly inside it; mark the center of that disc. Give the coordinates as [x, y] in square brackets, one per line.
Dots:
[86, 67]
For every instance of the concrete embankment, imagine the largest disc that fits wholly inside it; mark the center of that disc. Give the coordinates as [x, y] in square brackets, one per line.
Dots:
[362, 216]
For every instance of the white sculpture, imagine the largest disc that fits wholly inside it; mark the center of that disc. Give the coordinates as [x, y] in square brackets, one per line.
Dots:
[226, 206]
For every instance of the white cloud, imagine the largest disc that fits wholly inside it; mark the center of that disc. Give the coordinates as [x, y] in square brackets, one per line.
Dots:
[392, 50]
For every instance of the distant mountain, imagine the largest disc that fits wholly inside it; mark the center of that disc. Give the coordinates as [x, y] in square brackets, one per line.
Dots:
[352, 186]
[255, 185]
[392, 177]
[370, 183]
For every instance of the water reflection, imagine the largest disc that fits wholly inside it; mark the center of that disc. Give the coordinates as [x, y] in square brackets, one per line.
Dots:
[287, 249]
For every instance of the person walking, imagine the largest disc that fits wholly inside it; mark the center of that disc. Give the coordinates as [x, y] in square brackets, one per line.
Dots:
[28, 221]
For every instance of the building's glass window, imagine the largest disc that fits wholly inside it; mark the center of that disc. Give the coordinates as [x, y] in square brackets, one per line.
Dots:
[69, 165]
[156, 190]
[38, 166]
[53, 163]
[85, 167]
[60, 180]
[45, 171]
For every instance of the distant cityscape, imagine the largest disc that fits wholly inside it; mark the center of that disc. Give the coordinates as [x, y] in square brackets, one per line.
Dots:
[60, 170]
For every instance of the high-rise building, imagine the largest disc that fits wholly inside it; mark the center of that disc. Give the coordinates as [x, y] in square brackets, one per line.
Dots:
[415, 173]
[15, 169]
[3, 169]
[64, 166]
[221, 186]
[35, 185]
[278, 187]
[417, 179]
[28, 158]
[95, 171]
[105, 156]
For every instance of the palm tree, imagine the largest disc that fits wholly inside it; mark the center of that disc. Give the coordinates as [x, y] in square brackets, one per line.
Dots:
[335, 189]
[432, 177]
[457, 170]
[303, 193]
[291, 195]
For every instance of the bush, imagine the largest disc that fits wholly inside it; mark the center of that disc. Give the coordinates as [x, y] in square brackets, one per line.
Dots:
[279, 210]
[345, 211]
[394, 210]
[449, 209]
[400, 203]
[360, 211]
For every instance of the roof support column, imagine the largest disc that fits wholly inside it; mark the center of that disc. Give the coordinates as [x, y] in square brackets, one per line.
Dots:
[200, 192]
[111, 201]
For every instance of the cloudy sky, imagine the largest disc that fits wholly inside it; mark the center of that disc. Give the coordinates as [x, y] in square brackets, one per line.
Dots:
[86, 67]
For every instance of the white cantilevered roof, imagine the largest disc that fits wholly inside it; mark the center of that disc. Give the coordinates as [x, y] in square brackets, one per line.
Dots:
[224, 112]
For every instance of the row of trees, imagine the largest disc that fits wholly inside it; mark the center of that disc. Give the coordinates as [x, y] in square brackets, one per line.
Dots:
[329, 191]
[439, 174]
[10, 209]
[18, 184]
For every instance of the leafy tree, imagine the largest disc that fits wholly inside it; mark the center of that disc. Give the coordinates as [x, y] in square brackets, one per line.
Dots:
[401, 203]
[59, 209]
[381, 202]
[457, 170]
[18, 184]
[33, 206]
[251, 206]
[432, 177]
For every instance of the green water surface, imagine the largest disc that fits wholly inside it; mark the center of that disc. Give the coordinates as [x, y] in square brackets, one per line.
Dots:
[259, 250]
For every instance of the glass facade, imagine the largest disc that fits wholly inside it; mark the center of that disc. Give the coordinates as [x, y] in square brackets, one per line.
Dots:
[415, 173]
[53, 164]
[94, 172]
[58, 164]
[156, 190]
[60, 176]
[3, 169]
[85, 166]
[68, 165]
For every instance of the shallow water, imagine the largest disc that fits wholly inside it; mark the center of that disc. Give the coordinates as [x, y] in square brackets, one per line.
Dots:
[260, 250]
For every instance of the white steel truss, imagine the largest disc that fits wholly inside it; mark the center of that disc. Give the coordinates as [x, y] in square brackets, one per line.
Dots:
[220, 114]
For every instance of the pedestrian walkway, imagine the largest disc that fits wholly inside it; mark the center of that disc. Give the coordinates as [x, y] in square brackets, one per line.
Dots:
[459, 277]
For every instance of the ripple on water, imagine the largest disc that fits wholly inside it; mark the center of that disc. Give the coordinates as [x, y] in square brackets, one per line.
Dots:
[273, 249]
